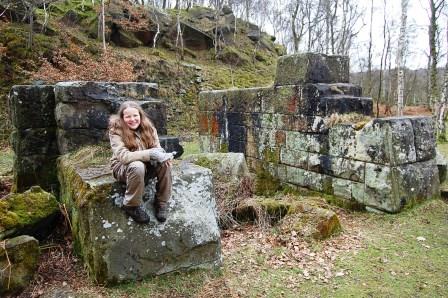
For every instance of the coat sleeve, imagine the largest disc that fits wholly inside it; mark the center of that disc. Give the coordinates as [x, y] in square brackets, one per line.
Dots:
[122, 153]
[156, 139]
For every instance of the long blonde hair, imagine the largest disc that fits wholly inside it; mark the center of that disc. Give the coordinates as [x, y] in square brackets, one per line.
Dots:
[146, 128]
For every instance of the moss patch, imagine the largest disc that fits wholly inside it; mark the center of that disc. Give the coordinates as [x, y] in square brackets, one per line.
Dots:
[20, 209]
[266, 184]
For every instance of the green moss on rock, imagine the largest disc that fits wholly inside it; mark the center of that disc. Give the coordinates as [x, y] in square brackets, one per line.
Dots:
[23, 253]
[265, 183]
[18, 210]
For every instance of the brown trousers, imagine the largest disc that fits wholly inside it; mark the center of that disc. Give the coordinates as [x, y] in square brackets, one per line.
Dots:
[136, 173]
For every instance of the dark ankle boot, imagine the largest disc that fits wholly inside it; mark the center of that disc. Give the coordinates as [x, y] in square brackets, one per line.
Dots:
[161, 212]
[137, 213]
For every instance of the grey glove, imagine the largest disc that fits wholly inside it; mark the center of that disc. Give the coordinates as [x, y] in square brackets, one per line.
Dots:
[159, 155]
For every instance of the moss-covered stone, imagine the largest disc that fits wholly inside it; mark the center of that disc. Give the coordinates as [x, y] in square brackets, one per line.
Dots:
[265, 183]
[310, 221]
[113, 247]
[27, 212]
[18, 262]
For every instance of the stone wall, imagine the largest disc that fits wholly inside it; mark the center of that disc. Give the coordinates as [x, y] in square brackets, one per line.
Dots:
[53, 120]
[289, 130]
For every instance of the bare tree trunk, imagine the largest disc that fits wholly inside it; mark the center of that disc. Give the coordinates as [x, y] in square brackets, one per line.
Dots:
[31, 23]
[436, 6]
[369, 59]
[179, 37]
[293, 27]
[103, 22]
[381, 63]
[441, 127]
[400, 58]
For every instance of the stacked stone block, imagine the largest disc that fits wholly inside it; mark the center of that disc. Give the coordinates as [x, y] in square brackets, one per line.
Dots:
[83, 109]
[53, 120]
[286, 130]
[34, 137]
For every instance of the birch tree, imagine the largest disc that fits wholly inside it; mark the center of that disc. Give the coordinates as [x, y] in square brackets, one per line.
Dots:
[401, 52]
[435, 9]
[441, 127]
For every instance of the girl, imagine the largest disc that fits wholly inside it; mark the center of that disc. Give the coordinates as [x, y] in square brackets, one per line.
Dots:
[136, 152]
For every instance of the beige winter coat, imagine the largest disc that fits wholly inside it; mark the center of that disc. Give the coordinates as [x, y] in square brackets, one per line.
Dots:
[122, 155]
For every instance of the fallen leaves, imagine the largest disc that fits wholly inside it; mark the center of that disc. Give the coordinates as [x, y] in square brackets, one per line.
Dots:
[315, 260]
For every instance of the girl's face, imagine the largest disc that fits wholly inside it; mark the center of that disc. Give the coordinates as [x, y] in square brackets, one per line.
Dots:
[131, 117]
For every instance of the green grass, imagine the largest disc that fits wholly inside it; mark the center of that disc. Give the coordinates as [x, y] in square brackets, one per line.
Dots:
[391, 263]
[191, 148]
[6, 161]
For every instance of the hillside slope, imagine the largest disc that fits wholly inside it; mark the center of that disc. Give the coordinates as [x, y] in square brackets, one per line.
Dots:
[217, 51]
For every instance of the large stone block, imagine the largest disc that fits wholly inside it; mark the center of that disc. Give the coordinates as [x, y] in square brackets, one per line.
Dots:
[116, 249]
[342, 104]
[229, 164]
[35, 170]
[234, 100]
[317, 143]
[18, 262]
[308, 179]
[95, 115]
[35, 141]
[347, 169]
[312, 68]
[115, 93]
[391, 188]
[424, 137]
[294, 158]
[32, 106]
[342, 141]
[386, 141]
[72, 139]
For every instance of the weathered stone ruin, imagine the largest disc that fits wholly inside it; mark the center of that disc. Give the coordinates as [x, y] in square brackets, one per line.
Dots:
[291, 131]
[61, 143]
[53, 120]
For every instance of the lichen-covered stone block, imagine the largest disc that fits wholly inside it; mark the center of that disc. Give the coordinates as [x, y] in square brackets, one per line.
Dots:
[312, 68]
[19, 260]
[294, 158]
[209, 143]
[424, 137]
[231, 164]
[391, 188]
[342, 141]
[347, 169]
[386, 141]
[304, 178]
[342, 188]
[317, 143]
[32, 106]
[116, 249]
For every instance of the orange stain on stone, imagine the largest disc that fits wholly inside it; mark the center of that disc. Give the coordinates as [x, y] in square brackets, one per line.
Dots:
[203, 123]
[214, 126]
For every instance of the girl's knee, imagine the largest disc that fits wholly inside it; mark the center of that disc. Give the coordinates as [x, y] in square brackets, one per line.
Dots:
[137, 168]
